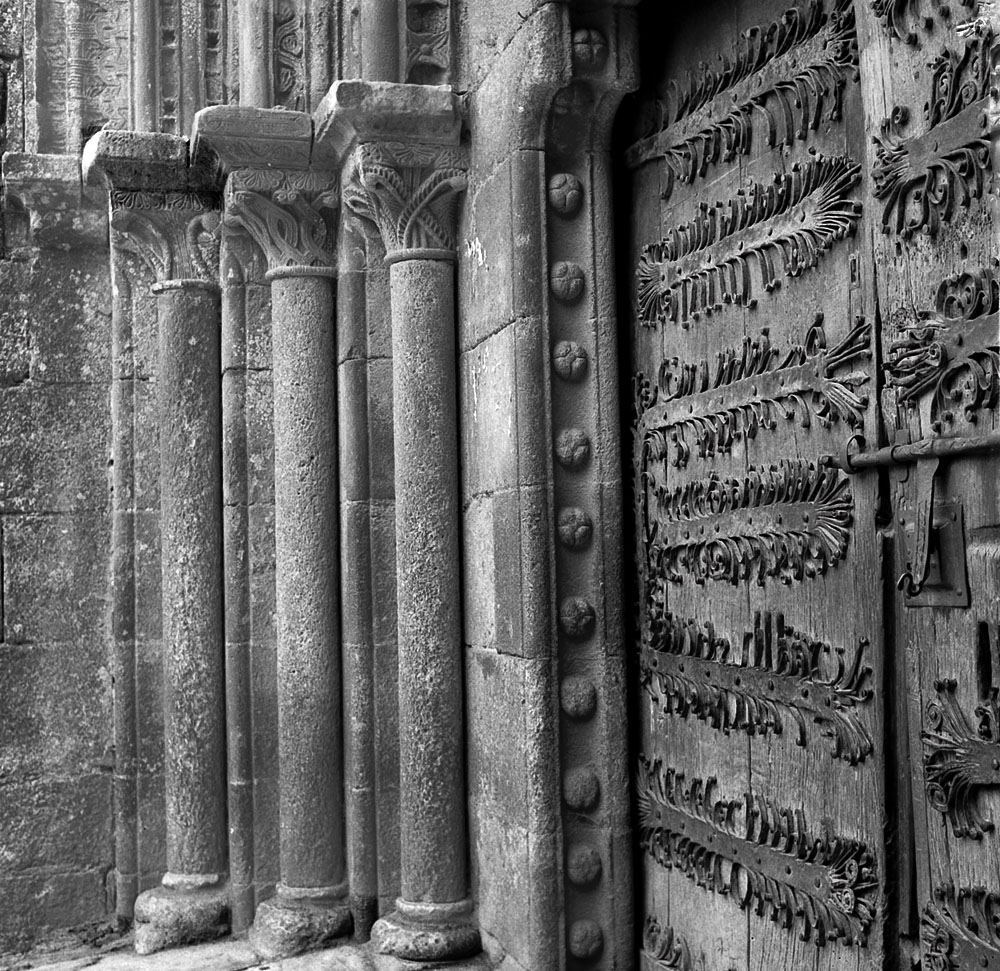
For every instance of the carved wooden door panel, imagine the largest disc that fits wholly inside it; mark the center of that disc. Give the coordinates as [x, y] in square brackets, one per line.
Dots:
[926, 70]
[759, 667]
[814, 342]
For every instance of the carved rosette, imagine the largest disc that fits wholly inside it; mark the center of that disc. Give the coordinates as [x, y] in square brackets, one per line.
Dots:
[290, 215]
[176, 234]
[411, 193]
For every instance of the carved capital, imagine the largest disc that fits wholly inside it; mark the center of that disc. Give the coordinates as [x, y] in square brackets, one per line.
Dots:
[290, 215]
[48, 206]
[176, 234]
[410, 192]
[164, 209]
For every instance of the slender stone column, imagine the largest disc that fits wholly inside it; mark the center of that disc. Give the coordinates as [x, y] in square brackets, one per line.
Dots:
[286, 212]
[409, 191]
[176, 233]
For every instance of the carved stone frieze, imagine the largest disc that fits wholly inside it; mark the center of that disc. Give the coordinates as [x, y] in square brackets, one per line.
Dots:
[176, 234]
[662, 948]
[758, 854]
[694, 406]
[428, 41]
[785, 78]
[733, 250]
[410, 192]
[789, 521]
[960, 760]
[960, 930]
[288, 214]
[951, 356]
[778, 677]
[928, 179]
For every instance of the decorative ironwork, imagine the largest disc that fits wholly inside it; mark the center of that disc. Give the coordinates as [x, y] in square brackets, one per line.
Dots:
[961, 930]
[960, 760]
[926, 180]
[748, 389]
[895, 13]
[951, 356]
[662, 949]
[758, 854]
[689, 671]
[711, 118]
[787, 521]
[784, 227]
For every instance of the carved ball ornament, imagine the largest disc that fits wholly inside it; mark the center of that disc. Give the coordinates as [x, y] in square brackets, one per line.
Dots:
[575, 528]
[578, 696]
[590, 49]
[581, 788]
[583, 864]
[572, 448]
[566, 281]
[576, 618]
[570, 361]
[585, 939]
[565, 194]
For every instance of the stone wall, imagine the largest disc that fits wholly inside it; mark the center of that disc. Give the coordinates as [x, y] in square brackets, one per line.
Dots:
[55, 517]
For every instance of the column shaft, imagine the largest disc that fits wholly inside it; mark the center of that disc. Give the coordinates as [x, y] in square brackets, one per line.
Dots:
[306, 542]
[432, 804]
[255, 52]
[191, 537]
[380, 40]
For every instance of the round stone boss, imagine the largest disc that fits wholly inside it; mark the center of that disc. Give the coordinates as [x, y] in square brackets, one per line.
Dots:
[583, 864]
[565, 194]
[566, 280]
[578, 696]
[590, 49]
[570, 361]
[585, 939]
[575, 527]
[581, 788]
[577, 618]
[572, 448]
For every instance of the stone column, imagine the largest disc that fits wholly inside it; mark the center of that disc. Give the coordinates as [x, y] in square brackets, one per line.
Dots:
[175, 230]
[286, 214]
[409, 191]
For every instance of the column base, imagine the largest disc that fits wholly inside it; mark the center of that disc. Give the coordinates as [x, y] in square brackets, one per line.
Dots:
[427, 932]
[287, 925]
[170, 917]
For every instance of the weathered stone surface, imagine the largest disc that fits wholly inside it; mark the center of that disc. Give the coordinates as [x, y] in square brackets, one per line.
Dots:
[55, 708]
[53, 581]
[168, 918]
[283, 927]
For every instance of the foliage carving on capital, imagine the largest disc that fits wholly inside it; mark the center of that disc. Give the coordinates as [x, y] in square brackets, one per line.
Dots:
[176, 234]
[290, 215]
[410, 192]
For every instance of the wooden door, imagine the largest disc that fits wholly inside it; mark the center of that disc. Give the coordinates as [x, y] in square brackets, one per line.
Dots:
[807, 229]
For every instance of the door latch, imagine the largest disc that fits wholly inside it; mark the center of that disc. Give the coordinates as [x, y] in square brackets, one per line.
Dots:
[931, 529]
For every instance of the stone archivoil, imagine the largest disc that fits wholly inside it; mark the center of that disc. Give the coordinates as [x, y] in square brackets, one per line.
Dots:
[506, 486]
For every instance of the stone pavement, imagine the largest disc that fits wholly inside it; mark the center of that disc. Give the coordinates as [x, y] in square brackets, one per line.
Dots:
[227, 955]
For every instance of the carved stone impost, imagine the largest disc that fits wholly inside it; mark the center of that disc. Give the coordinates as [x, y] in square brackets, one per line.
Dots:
[409, 169]
[282, 184]
[48, 206]
[163, 208]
